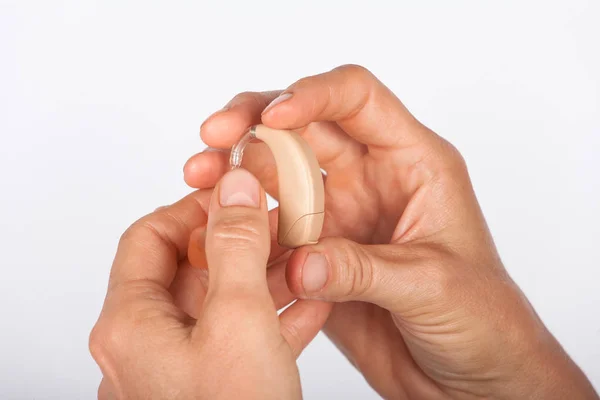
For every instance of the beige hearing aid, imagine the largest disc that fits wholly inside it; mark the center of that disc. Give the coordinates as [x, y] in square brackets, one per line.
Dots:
[301, 191]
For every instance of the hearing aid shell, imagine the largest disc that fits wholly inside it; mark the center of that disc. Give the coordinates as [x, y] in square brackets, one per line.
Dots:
[301, 189]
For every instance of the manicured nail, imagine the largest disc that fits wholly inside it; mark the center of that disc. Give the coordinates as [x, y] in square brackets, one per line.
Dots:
[239, 188]
[314, 272]
[282, 97]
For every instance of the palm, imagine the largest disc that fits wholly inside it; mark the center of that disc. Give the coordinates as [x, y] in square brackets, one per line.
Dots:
[364, 204]
[360, 205]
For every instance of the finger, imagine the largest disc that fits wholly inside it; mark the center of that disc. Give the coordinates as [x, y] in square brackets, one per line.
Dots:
[333, 147]
[257, 159]
[300, 323]
[189, 289]
[197, 246]
[354, 98]
[151, 248]
[225, 127]
[205, 169]
[237, 236]
[191, 284]
[197, 249]
[340, 270]
[281, 294]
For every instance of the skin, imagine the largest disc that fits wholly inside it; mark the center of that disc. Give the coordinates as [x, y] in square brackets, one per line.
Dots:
[424, 307]
[167, 332]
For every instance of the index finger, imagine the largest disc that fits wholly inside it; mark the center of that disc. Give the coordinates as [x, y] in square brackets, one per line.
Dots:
[150, 250]
[354, 98]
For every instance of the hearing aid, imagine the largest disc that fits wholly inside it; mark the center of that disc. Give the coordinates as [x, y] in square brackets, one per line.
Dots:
[301, 188]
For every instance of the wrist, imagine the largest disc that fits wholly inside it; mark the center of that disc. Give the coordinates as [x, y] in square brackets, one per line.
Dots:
[548, 373]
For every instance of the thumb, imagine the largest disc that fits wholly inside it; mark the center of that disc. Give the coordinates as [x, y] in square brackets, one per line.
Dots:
[237, 237]
[341, 270]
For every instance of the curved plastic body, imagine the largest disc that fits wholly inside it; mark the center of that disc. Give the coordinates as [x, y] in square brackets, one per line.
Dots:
[301, 190]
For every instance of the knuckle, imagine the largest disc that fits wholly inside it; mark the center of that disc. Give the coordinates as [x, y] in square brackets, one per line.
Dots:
[447, 158]
[107, 344]
[120, 326]
[96, 343]
[363, 275]
[362, 79]
[352, 73]
[292, 337]
[115, 336]
[140, 230]
[245, 96]
[132, 232]
[454, 158]
[356, 269]
[356, 72]
[159, 228]
[237, 231]
[105, 340]
[304, 81]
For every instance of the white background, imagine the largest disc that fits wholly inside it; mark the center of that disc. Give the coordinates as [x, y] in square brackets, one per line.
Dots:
[100, 105]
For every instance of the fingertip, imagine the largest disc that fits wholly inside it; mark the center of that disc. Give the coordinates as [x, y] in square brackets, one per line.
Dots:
[278, 102]
[215, 131]
[203, 170]
[190, 173]
[277, 286]
[224, 129]
[237, 243]
[281, 116]
[240, 188]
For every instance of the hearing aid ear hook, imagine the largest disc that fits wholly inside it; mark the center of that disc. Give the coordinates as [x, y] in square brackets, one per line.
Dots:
[301, 191]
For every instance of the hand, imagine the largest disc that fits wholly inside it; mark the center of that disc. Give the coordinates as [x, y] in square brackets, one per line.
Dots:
[165, 332]
[425, 307]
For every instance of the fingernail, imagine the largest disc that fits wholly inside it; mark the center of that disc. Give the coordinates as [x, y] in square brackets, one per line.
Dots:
[222, 110]
[239, 188]
[196, 250]
[314, 272]
[214, 150]
[282, 97]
